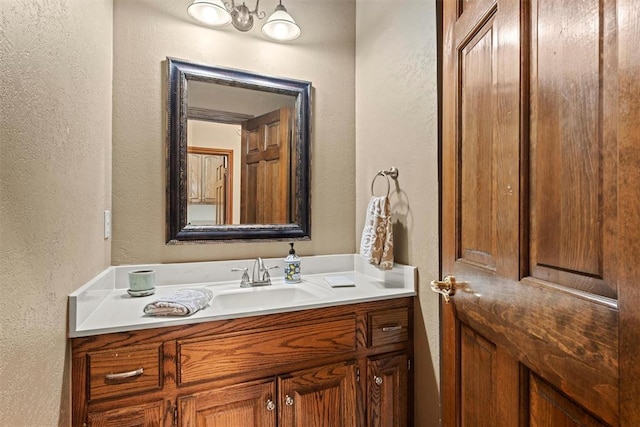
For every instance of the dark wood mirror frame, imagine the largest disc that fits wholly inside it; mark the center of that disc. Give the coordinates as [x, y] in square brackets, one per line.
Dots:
[179, 73]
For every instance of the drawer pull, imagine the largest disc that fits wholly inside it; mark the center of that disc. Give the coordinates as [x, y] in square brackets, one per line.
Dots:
[124, 375]
[288, 400]
[378, 380]
[270, 405]
[391, 328]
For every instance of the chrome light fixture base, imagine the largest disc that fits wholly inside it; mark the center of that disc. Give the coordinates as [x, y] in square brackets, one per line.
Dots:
[242, 16]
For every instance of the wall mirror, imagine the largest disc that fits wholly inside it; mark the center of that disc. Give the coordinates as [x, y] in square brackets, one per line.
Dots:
[238, 155]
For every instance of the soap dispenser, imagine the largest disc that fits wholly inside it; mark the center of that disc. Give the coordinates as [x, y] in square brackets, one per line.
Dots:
[292, 267]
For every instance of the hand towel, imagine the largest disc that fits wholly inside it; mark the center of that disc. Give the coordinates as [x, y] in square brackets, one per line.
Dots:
[183, 302]
[376, 245]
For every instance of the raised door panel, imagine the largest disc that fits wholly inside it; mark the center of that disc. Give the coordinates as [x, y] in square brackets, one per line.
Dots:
[549, 407]
[194, 177]
[220, 191]
[319, 397]
[387, 391]
[144, 415]
[573, 193]
[477, 214]
[210, 167]
[249, 404]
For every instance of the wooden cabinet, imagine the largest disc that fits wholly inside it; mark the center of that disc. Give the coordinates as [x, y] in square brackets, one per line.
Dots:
[204, 177]
[145, 415]
[247, 404]
[387, 390]
[321, 396]
[308, 368]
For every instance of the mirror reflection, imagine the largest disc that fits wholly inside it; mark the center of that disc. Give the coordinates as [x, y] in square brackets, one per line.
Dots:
[238, 155]
[240, 144]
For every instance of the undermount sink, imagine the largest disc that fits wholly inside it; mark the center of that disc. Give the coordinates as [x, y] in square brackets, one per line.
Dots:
[262, 297]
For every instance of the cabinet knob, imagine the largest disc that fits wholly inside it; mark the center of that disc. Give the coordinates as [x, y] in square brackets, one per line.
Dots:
[288, 400]
[378, 380]
[270, 405]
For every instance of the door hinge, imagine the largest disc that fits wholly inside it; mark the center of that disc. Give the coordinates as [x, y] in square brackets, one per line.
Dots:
[357, 374]
[408, 364]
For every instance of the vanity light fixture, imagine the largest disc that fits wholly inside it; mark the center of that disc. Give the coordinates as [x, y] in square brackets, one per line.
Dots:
[214, 13]
[280, 26]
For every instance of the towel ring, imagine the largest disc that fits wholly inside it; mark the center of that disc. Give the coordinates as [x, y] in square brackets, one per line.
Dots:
[381, 173]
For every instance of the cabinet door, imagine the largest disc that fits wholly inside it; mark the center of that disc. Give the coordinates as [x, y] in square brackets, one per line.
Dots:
[210, 166]
[145, 415]
[247, 404]
[194, 177]
[387, 391]
[319, 397]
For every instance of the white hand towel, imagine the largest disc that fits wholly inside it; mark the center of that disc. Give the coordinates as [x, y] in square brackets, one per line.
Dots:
[183, 302]
[376, 245]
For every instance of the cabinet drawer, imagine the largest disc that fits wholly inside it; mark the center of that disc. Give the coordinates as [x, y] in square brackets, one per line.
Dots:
[388, 326]
[124, 370]
[231, 354]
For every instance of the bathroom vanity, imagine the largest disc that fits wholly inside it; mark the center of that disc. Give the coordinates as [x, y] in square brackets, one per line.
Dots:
[341, 358]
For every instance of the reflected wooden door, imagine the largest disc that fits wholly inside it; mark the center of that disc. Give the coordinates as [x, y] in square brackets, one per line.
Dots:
[220, 189]
[265, 180]
[540, 213]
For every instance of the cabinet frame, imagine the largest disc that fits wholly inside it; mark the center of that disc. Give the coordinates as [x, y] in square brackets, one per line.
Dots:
[171, 336]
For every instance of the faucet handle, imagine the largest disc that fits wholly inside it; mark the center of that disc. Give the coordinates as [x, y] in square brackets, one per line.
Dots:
[266, 277]
[244, 282]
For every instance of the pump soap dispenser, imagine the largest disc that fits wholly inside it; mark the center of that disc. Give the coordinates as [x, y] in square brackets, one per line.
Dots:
[292, 267]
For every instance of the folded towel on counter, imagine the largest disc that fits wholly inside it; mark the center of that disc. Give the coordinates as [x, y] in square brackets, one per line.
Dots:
[183, 302]
[376, 245]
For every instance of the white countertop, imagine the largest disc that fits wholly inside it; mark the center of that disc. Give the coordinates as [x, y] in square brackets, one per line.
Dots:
[103, 305]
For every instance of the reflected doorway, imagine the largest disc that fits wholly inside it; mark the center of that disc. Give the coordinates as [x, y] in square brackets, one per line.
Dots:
[210, 183]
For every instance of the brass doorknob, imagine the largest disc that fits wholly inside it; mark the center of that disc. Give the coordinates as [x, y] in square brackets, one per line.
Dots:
[446, 287]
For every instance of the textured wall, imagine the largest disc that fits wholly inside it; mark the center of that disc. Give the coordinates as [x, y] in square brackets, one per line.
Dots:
[145, 33]
[55, 182]
[396, 125]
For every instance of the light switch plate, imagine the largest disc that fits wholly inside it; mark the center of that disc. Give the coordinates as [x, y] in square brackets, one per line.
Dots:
[107, 224]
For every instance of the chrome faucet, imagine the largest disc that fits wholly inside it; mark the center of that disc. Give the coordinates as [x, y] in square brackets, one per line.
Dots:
[263, 278]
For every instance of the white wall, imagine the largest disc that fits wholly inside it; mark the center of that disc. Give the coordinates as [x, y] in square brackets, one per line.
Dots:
[55, 183]
[396, 125]
[145, 33]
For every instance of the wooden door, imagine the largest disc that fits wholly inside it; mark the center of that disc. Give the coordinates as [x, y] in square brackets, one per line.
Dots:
[265, 180]
[247, 404]
[220, 186]
[387, 391]
[540, 212]
[319, 397]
